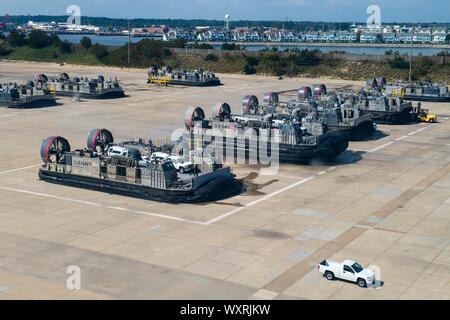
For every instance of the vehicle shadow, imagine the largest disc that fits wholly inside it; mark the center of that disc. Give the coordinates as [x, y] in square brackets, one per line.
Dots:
[345, 158]
[378, 283]
[253, 188]
[378, 135]
[38, 105]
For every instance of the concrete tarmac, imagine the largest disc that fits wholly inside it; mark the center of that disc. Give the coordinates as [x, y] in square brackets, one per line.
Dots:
[385, 203]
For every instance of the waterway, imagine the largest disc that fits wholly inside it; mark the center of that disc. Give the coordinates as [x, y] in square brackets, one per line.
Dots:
[354, 48]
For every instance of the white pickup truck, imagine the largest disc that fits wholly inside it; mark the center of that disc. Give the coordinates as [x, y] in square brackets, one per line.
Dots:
[347, 270]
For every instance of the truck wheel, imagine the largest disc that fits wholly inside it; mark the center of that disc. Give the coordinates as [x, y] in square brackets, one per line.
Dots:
[362, 283]
[329, 275]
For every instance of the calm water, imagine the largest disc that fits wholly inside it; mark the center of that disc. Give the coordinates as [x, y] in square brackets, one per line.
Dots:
[105, 40]
[122, 40]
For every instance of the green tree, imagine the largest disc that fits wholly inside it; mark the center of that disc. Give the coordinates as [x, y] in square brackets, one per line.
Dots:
[39, 39]
[65, 47]
[211, 57]
[4, 50]
[202, 46]
[16, 39]
[230, 46]
[398, 63]
[252, 61]
[86, 42]
[248, 69]
[178, 43]
[100, 51]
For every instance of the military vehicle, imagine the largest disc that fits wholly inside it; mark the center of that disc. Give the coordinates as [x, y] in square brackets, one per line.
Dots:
[420, 91]
[337, 114]
[13, 95]
[384, 109]
[423, 91]
[129, 170]
[81, 87]
[261, 137]
[194, 78]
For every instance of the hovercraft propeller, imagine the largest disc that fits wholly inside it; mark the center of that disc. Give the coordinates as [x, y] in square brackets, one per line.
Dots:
[193, 115]
[304, 93]
[221, 111]
[53, 149]
[63, 77]
[250, 105]
[99, 139]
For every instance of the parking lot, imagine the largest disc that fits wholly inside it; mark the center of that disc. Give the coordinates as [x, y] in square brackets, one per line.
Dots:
[384, 202]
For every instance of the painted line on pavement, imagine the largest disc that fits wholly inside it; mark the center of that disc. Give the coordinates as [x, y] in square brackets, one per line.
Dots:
[19, 169]
[251, 204]
[381, 147]
[99, 205]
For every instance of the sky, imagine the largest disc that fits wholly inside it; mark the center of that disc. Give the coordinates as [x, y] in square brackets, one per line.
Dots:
[296, 10]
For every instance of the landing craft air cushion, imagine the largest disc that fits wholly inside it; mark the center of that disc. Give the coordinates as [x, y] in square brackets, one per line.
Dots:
[132, 173]
[82, 87]
[254, 135]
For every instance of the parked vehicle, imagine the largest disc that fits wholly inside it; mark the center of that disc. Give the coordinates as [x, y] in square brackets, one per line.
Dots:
[159, 156]
[120, 168]
[348, 270]
[181, 165]
[117, 151]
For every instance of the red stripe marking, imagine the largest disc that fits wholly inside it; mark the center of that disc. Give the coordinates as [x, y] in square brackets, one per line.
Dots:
[94, 138]
[47, 150]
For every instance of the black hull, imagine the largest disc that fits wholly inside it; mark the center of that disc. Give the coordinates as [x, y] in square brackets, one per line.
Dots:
[217, 189]
[211, 83]
[394, 118]
[427, 99]
[328, 149]
[41, 103]
[362, 131]
[94, 96]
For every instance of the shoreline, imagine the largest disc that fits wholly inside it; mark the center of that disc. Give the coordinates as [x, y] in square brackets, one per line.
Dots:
[335, 44]
[283, 44]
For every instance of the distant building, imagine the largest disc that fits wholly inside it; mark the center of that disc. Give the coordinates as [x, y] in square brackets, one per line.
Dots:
[369, 37]
[390, 37]
[439, 36]
[311, 36]
[155, 30]
[422, 36]
[327, 37]
[344, 36]
[406, 37]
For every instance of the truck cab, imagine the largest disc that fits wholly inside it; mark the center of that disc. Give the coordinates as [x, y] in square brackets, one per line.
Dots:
[117, 151]
[348, 270]
[181, 165]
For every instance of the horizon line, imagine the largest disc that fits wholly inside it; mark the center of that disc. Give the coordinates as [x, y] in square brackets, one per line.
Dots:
[219, 20]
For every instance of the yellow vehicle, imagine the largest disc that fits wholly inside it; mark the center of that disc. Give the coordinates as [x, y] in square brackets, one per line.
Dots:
[425, 116]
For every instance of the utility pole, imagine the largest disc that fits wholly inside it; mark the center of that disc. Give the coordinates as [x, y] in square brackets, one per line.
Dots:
[410, 57]
[129, 44]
